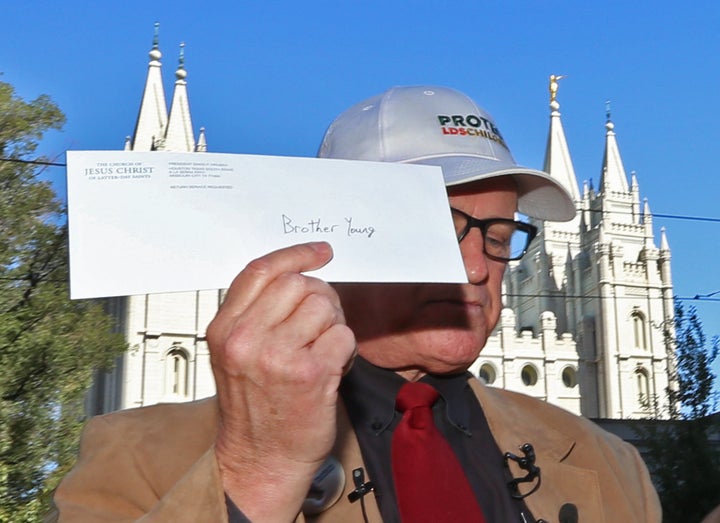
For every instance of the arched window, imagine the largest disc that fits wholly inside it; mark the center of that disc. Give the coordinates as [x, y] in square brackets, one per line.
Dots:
[643, 385]
[639, 330]
[529, 375]
[487, 373]
[176, 373]
[569, 377]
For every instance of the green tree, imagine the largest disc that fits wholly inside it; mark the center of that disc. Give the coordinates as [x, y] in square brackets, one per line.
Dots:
[681, 457]
[49, 345]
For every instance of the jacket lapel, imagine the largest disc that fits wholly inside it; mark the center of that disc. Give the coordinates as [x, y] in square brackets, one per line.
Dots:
[515, 419]
[347, 451]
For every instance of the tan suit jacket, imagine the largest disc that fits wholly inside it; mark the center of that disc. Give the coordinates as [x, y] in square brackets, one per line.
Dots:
[158, 464]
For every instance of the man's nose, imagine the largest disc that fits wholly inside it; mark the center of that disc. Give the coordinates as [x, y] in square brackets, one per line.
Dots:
[474, 258]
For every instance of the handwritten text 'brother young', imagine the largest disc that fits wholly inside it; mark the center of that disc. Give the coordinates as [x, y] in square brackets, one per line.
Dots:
[316, 226]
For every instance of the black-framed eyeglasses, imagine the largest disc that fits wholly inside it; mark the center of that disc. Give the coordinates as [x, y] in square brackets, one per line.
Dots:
[503, 239]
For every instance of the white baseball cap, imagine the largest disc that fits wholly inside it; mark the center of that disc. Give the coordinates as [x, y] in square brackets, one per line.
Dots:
[441, 126]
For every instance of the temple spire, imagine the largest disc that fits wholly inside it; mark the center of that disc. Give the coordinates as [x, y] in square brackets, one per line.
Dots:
[647, 220]
[647, 215]
[152, 117]
[179, 135]
[664, 245]
[613, 177]
[201, 145]
[558, 162]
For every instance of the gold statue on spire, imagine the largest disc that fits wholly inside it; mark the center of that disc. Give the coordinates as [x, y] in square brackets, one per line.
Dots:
[554, 86]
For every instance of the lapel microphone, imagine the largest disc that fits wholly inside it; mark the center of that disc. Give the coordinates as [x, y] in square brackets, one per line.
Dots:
[527, 463]
[362, 487]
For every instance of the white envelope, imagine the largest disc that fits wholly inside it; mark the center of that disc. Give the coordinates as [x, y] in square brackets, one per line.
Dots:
[151, 222]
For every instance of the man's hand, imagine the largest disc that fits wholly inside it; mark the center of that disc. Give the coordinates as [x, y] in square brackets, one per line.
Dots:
[278, 348]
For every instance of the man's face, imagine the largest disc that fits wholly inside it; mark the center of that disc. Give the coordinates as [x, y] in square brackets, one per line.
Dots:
[436, 328]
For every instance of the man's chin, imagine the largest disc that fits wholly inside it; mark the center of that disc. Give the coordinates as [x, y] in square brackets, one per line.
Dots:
[451, 349]
[434, 350]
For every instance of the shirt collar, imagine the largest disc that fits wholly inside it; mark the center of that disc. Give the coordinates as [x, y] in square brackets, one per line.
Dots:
[457, 395]
[369, 392]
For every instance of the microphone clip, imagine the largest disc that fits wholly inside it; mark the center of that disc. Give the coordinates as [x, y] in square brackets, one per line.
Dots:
[527, 463]
[362, 487]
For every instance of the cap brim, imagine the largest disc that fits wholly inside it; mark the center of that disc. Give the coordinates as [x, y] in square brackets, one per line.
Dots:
[539, 194]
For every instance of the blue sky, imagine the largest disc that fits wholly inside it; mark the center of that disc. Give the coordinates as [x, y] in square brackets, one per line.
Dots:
[267, 77]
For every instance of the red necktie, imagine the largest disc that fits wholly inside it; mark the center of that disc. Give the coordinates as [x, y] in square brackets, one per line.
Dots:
[429, 481]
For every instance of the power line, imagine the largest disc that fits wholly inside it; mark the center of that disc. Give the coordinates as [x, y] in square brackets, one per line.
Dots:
[694, 218]
[659, 215]
[707, 297]
[33, 162]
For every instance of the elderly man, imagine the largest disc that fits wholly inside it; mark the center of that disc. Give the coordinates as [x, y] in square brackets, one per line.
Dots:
[353, 402]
